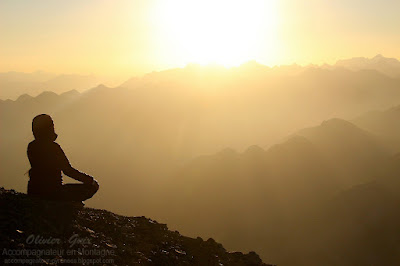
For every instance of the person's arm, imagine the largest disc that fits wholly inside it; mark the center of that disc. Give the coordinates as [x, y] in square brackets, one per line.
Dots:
[70, 171]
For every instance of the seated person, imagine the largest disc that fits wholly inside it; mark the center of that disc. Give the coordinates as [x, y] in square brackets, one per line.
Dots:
[47, 161]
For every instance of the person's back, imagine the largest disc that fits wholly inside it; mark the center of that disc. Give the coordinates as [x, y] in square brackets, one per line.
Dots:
[48, 161]
[45, 173]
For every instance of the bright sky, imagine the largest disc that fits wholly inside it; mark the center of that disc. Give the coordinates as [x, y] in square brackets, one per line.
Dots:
[139, 36]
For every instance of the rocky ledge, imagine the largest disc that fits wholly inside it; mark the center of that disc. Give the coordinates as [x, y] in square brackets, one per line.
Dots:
[35, 231]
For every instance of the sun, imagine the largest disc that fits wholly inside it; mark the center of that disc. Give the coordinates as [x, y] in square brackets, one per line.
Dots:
[226, 32]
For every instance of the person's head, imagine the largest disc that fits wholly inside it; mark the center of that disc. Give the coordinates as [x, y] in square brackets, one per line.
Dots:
[43, 128]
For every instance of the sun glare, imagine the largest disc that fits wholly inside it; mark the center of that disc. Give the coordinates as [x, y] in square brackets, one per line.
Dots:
[225, 32]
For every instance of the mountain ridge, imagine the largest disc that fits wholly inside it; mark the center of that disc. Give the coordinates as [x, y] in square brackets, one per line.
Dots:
[385, 65]
[13, 83]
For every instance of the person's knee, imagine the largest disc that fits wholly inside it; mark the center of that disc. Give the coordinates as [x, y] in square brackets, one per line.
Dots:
[93, 188]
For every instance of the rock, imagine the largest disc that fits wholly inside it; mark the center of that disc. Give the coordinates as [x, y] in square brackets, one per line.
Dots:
[101, 237]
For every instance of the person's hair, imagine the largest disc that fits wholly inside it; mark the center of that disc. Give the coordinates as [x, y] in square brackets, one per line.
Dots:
[43, 128]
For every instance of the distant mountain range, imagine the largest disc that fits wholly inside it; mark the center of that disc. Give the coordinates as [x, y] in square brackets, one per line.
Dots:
[298, 158]
[387, 66]
[326, 195]
[14, 84]
[222, 108]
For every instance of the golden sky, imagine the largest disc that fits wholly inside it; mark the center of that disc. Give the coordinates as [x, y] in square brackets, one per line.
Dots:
[132, 37]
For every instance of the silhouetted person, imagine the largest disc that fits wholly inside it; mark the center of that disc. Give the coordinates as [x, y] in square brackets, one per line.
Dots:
[47, 161]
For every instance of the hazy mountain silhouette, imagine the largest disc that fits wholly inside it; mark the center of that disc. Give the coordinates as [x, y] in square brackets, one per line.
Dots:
[144, 142]
[166, 118]
[287, 193]
[242, 95]
[366, 218]
[14, 84]
[349, 148]
[388, 66]
[383, 123]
